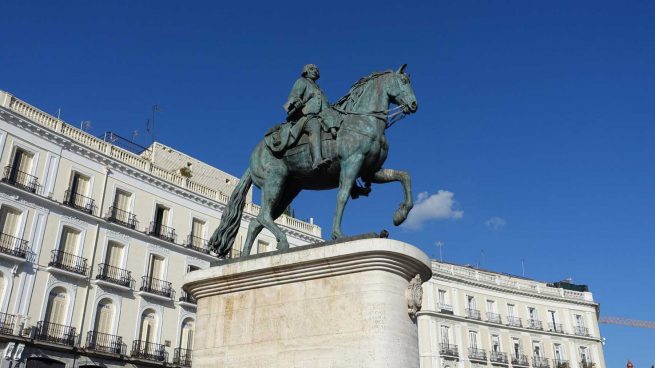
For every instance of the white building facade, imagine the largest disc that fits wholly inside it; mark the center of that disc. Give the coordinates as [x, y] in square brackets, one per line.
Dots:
[95, 241]
[474, 318]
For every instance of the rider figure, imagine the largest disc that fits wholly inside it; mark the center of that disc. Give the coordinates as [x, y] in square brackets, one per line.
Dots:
[306, 101]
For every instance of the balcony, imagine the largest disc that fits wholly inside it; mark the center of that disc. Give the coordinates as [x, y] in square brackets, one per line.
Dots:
[13, 246]
[105, 343]
[157, 287]
[114, 275]
[581, 331]
[68, 262]
[162, 232]
[187, 298]
[586, 363]
[514, 321]
[472, 313]
[494, 318]
[498, 357]
[149, 351]
[7, 323]
[182, 357]
[122, 217]
[448, 350]
[477, 354]
[22, 180]
[535, 324]
[555, 327]
[520, 360]
[197, 243]
[559, 363]
[445, 308]
[79, 202]
[539, 362]
[55, 333]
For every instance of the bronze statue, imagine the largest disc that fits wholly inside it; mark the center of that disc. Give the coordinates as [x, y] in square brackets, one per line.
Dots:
[288, 161]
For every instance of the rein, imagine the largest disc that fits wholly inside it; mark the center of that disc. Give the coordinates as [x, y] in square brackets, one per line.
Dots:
[389, 116]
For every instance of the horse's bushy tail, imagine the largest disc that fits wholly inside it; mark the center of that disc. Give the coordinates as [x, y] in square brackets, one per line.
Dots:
[223, 238]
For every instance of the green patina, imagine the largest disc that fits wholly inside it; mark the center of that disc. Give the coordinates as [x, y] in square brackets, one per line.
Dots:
[320, 147]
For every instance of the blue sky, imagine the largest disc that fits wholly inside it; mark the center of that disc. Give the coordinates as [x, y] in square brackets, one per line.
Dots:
[540, 115]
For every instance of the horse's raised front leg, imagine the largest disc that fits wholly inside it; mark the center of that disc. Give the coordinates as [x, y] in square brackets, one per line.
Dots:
[389, 175]
[254, 229]
[349, 172]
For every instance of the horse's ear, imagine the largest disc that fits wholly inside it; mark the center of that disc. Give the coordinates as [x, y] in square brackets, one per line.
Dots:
[402, 68]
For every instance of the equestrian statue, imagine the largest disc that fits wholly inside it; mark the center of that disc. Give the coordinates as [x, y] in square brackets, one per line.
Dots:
[321, 146]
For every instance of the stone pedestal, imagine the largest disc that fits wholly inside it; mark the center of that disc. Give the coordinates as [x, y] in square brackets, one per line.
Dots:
[338, 306]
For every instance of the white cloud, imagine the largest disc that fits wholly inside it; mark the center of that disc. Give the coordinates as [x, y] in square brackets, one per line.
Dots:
[437, 206]
[495, 223]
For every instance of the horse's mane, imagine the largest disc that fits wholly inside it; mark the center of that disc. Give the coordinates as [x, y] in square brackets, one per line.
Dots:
[357, 89]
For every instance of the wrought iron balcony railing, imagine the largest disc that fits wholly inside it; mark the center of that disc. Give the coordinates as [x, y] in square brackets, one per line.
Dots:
[560, 363]
[197, 243]
[22, 180]
[182, 357]
[55, 333]
[13, 246]
[581, 331]
[186, 297]
[540, 362]
[68, 262]
[447, 308]
[555, 327]
[498, 357]
[122, 217]
[586, 363]
[149, 351]
[162, 232]
[105, 343]
[156, 286]
[448, 350]
[7, 323]
[514, 321]
[477, 354]
[472, 313]
[535, 324]
[79, 202]
[494, 317]
[114, 275]
[520, 360]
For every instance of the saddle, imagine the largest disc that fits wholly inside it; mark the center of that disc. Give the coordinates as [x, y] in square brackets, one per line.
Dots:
[286, 135]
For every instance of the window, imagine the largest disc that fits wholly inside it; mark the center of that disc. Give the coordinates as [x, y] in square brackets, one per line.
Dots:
[69, 240]
[473, 339]
[79, 184]
[579, 320]
[584, 355]
[262, 247]
[470, 302]
[191, 268]
[511, 310]
[536, 349]
[161, 219]
[516, 346]
[445, 335]
[491, 306]
[198, 228]
[495, 343]
[552, 316]
[559, 356]
[104, 317]
[9, 219]
[122, 200]
[532, 313]
[114, 255]
[22, 163]
[186, 337]
[148, 326]
[156, 267]
[57, 306]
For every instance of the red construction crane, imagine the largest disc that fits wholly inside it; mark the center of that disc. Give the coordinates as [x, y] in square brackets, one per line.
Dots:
[626, 322]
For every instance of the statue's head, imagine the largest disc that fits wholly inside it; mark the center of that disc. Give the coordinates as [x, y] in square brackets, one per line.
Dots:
[311, 71]
[401, 92]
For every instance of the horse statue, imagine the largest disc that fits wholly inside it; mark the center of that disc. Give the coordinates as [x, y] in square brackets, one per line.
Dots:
[359, 150]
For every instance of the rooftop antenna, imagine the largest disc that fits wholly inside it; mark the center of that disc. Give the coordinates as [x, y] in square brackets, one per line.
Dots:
[523, 266]
[151, 128]
[440, 245]
[85, 125]
[481, 258]
[135, 133]
[58, 113]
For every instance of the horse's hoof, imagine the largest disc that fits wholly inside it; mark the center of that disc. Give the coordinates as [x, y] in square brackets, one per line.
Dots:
[282, 245]
[400, 215]
[336, 235]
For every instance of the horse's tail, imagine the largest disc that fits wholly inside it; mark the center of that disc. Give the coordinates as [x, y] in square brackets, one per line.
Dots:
[223, 238]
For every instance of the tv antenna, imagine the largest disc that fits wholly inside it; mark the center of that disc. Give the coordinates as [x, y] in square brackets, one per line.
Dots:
[85, 125]
[440, 245]
[150, 124]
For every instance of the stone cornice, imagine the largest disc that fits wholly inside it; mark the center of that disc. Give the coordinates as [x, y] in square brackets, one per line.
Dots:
[310, 262]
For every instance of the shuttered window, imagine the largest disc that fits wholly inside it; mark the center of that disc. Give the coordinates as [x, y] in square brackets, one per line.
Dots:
[69, 240]
[9, 219]
[186, 340]
[114, 254]
[147, 326]
[104, 317]
[122, 200]
[156, 267]
[56, 309]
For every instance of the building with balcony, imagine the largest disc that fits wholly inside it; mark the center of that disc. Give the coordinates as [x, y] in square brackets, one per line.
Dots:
[475, 318]
[95, 240]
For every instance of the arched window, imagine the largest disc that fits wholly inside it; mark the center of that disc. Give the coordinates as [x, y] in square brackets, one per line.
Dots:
[104, 317]
[148, 326]
[57, 307]
[186, 334]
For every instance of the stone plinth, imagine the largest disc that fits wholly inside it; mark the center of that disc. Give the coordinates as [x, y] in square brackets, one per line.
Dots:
[338, 306]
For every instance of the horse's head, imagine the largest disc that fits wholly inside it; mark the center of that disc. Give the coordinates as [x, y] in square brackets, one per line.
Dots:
[400, 91]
